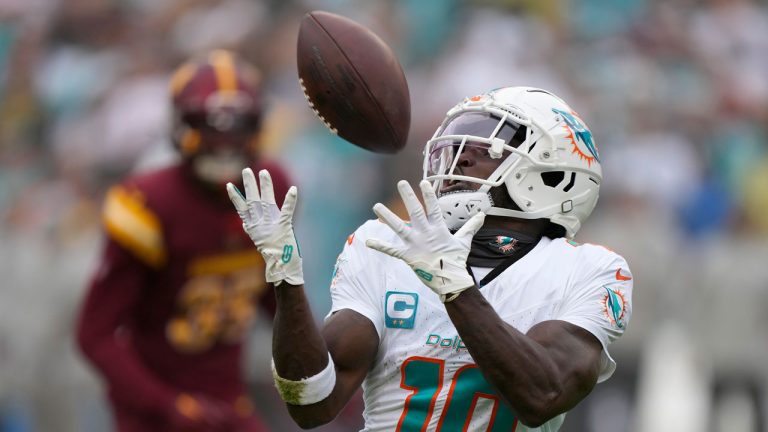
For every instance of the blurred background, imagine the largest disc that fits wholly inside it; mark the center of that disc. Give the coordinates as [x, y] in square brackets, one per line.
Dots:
[675, 91]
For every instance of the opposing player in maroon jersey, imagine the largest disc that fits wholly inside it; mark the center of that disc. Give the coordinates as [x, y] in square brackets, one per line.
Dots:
[179, 281]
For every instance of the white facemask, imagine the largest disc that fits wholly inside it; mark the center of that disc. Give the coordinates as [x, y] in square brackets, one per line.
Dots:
[218, 169]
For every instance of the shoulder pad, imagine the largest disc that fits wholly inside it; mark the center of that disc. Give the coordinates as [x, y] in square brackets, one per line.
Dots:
[133, 225]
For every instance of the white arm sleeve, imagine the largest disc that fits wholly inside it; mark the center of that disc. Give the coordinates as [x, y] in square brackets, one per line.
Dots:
[600, 301]
[357, 279]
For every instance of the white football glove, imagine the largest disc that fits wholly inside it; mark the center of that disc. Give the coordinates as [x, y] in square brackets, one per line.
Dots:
[438, 257]
[270, 228]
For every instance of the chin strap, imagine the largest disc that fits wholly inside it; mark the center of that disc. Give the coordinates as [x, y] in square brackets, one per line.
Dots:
[459, 207]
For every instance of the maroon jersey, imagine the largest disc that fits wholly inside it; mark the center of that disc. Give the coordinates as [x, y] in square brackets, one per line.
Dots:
[178, 285]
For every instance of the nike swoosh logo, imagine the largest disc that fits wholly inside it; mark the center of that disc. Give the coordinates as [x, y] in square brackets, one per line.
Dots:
[621, 277]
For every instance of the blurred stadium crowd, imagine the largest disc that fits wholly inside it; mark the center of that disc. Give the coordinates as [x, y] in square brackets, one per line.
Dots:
[676, 93]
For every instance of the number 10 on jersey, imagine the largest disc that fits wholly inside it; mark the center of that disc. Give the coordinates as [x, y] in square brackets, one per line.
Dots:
[423, 376]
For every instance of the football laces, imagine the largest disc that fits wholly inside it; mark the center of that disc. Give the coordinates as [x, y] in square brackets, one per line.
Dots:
[317, 113]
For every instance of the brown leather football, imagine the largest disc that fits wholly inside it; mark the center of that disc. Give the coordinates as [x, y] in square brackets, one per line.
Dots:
[353, 82]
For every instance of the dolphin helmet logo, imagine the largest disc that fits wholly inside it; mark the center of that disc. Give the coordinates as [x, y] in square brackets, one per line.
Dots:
[578, 133]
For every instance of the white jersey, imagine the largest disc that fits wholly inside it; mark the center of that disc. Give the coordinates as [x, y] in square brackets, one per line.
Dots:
[424, 379]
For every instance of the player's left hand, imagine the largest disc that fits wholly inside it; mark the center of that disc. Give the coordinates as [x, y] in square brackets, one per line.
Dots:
[438, 257]
[270, 227]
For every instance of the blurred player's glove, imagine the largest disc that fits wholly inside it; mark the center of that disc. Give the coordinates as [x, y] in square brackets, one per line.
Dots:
[438, 257]
[270, 228]
[197, 412]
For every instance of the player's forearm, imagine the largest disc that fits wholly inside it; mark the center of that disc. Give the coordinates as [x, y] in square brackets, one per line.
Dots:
[107, 307]
[298, 348]
[519, 367]
[299, 351]
[128, 380]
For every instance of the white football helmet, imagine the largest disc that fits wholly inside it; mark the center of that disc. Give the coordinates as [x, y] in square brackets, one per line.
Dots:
[550, 163]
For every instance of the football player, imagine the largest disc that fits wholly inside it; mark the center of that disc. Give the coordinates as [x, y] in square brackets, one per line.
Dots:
[481, 313]
[179, 282]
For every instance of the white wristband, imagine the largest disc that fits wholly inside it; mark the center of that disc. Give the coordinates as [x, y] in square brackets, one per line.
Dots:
[306, 391]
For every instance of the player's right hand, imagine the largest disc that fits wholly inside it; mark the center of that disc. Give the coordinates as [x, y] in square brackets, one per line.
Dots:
[270, 227]
[438, 257]
[200, 413]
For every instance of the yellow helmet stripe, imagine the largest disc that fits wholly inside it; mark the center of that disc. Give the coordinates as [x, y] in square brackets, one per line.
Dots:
[223, 63]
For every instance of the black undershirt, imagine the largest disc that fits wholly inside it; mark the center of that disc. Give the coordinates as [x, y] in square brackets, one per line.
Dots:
[498, 249]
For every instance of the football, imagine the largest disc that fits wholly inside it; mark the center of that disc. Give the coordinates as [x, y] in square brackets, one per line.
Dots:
[353, 82]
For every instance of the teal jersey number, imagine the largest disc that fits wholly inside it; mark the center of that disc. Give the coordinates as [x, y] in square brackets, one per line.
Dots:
[424, 376]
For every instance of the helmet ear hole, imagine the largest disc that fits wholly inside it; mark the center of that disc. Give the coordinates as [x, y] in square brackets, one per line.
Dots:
[552, 178]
